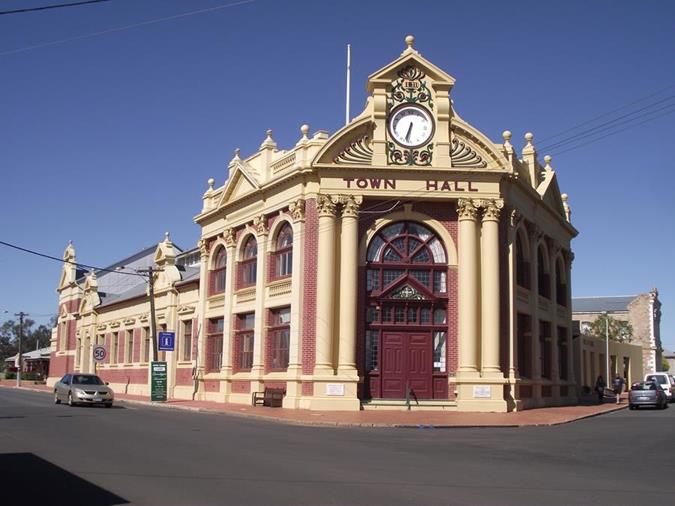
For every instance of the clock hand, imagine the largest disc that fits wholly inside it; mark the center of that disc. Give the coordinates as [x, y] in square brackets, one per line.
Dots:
[407, 136]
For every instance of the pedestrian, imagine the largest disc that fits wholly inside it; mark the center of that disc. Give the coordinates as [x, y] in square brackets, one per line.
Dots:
[600, 388]
[617, 386]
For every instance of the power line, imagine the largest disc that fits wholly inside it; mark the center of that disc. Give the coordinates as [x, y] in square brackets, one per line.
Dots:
[126, 27]
[57, 6]
[77, 264]
[614, 122]
[604, 114]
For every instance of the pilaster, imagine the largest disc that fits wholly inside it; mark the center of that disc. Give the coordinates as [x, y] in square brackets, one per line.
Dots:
[258, 368]
[294, 371]
[228, 332]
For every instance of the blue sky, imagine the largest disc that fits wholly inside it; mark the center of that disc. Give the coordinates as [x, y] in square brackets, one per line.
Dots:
[109, 140]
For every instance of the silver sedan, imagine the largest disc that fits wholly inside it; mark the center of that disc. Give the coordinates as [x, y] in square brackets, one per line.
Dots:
[77, 388]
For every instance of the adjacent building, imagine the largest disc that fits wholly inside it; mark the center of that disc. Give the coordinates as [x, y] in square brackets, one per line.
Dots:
[405, 256]
[642, 312]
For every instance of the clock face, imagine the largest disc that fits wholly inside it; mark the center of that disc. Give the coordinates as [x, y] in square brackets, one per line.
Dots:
[411, 126]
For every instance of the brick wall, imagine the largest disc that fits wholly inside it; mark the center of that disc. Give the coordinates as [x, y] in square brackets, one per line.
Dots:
[309, 296]
[131, 376]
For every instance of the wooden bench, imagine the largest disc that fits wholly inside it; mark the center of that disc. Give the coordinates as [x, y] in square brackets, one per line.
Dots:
[271, 397]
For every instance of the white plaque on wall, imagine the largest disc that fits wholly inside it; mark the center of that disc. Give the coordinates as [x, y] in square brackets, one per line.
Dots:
[481, 392]
[335, 389]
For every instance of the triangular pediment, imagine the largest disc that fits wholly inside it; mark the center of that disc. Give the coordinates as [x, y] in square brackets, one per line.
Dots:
[550, 192]
[407, 288]
[241, 183]
[409, 57]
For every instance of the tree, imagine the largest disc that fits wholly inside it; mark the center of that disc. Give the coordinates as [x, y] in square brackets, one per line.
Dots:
[32, 338]
[665, 364]
[619, 330]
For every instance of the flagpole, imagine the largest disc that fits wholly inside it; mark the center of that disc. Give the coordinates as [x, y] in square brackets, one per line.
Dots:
[349, 64]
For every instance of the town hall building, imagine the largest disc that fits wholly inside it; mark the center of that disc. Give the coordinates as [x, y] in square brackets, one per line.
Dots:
[404, 259]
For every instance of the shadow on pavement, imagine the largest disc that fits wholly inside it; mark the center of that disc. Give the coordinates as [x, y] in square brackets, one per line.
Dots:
[31, 480]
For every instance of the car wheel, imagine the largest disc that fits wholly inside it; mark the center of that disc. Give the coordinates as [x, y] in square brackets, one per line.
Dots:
[108, 405]
[631, 407]
[70, 399]
[56, 398]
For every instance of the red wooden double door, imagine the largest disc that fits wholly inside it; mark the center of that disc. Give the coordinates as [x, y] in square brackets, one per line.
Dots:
[406, 362]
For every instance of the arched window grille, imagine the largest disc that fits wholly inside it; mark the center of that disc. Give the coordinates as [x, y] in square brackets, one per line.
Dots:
[217, 281]
[284, 252]
[248, 263]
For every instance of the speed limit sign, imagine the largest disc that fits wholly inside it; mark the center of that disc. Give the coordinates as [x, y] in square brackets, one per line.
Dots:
[100, 353]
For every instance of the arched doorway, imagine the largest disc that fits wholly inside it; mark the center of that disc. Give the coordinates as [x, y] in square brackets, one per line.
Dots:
[406, 313]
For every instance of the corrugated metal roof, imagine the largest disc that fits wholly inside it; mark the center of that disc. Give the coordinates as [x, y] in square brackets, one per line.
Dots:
[601, 304]
[187, 274]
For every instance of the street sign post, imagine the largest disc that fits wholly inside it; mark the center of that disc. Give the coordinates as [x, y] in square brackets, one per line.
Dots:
[166, 341]
[158, 381]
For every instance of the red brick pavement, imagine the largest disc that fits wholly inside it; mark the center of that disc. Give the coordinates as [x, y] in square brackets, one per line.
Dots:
[374, 418]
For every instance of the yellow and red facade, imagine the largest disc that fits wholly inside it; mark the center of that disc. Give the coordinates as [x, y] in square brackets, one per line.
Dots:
[356, 271]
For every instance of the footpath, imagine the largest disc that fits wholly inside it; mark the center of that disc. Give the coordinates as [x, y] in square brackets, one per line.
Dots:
[374, 418]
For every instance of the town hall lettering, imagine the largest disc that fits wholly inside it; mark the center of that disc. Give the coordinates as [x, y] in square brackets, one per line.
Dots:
[377, 183]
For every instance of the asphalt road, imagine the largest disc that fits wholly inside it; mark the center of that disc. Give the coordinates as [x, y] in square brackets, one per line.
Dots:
[134, 454]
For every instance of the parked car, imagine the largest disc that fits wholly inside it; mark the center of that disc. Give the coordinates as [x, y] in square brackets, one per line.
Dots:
[83, 389]
[666, 382]
[647, 393]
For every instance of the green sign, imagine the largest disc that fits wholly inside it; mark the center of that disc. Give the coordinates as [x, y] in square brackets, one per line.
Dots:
[158, 381]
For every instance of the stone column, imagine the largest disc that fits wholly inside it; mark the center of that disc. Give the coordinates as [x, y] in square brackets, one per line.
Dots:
[325, 290]
[490, 294]
[348, 285]
[294, 372]
[535, 235]
[258, 368]
[554, 249]
[230, 276]
[515, 217]
[201, 314]
[468, 288]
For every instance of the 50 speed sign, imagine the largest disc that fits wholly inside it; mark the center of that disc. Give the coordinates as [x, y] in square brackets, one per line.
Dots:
[100, 353]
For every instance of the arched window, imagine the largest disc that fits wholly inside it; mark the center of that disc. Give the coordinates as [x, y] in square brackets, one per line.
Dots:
[543, 274]
[560, 283]
[217, 281]
[248, 263]
[522, 265]
[283, 264]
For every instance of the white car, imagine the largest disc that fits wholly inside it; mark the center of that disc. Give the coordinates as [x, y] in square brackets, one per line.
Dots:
[666, 381]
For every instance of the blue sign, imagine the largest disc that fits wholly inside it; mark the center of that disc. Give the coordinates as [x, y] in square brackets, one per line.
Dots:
[166, 340]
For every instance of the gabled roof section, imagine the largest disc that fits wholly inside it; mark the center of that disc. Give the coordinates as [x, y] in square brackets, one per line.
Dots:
[409, 57]
[550, 192]
[242, 181]
[601, 304]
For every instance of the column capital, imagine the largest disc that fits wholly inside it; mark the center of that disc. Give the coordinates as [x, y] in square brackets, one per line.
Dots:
[229, 237]
[491, 209]
[466, 209]
[325, 206]
[297, 210]
[350, 205]
[260, 225]
[203, 248]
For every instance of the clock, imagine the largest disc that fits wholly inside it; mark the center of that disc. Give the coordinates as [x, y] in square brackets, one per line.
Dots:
[411, 126]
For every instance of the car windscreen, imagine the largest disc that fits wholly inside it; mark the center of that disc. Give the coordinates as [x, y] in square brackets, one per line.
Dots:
[86, 380]
[661, 379]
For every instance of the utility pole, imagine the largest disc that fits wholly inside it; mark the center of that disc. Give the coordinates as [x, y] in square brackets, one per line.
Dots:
[607, 347]
[153, 323]
[20, 314]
